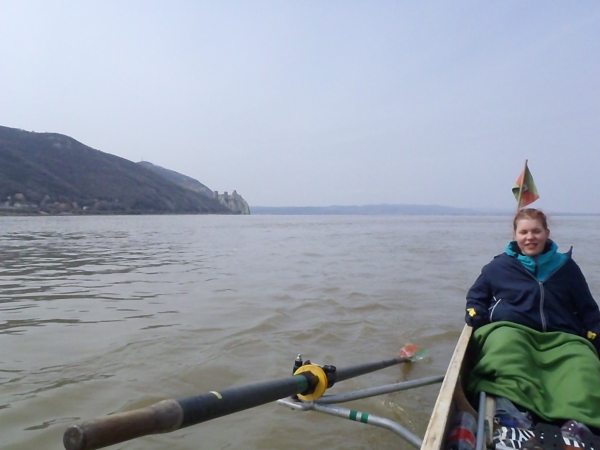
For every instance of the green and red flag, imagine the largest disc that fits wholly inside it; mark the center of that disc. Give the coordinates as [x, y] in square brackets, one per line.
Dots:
[524, 190]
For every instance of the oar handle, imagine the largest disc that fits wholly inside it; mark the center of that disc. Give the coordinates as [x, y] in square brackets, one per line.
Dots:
[161, 417]
[171, 415]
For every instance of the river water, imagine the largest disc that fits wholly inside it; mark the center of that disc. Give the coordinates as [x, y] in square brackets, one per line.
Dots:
[107, 314]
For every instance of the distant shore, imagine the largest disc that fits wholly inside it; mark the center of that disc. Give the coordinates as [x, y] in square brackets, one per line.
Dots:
[360, 210]
[409, 210]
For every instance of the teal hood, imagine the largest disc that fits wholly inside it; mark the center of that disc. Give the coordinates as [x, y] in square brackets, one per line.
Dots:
[542, 265]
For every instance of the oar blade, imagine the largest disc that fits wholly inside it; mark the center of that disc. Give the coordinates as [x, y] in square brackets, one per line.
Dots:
[412, 352]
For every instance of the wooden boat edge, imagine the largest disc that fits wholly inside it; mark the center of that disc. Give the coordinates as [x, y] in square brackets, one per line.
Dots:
[438, 423]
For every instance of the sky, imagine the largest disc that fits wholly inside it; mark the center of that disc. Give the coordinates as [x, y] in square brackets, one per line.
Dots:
[316, 102]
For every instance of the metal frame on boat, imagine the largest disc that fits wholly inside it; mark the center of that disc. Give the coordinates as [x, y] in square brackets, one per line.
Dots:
[450, 396]
[322, 405]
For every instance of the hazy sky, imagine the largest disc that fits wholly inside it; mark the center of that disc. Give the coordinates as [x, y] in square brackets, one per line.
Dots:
[298, 103]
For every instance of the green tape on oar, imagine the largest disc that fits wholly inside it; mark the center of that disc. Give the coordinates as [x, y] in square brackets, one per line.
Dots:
[358, 416]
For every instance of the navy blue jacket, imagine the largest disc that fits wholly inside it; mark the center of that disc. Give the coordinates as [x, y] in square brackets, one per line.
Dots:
[506, 290]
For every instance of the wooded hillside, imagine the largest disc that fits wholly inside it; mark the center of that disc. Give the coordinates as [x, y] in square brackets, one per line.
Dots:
[48, 172]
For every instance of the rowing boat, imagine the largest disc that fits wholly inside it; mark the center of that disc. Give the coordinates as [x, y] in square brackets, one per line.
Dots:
[491, 431]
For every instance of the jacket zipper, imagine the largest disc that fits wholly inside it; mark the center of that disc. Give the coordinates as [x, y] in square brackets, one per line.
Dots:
[494, 307]
[541, 285]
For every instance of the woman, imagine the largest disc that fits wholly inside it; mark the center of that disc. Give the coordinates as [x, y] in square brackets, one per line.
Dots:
[533, 285]
[537, 325]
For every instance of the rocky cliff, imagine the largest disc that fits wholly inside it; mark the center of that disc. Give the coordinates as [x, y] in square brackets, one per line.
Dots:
[234, 202]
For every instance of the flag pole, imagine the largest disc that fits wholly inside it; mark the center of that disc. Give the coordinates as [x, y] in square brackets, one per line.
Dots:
[521, 187]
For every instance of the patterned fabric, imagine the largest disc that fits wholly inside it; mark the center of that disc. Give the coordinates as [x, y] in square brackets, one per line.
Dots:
[516, 437]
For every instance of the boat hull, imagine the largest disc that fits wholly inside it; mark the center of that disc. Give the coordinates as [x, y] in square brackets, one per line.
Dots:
[451, 394]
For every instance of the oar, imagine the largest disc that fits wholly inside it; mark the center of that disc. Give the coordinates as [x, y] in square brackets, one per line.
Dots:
[173, 414]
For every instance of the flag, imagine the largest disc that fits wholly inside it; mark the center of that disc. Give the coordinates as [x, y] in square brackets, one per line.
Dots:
[529, 193]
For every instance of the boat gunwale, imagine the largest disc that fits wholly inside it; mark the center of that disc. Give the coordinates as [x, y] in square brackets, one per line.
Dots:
[438, 424]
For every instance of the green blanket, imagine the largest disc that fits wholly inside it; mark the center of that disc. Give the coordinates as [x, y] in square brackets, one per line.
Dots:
[555, 375]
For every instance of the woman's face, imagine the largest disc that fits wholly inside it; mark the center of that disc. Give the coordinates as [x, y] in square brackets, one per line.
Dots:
[531, 236]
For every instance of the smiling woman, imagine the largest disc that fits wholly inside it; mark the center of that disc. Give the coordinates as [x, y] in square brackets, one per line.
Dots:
[532, 284]
[533, 310]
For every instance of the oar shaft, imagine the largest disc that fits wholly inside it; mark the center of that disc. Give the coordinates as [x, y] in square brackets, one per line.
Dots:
[171, 415]
[214, 404]
[362, 369]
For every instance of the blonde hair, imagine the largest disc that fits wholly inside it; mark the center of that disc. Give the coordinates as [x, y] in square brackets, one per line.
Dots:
[533, 214]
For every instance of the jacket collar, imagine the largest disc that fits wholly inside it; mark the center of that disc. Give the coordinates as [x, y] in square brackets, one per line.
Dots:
[542, 265]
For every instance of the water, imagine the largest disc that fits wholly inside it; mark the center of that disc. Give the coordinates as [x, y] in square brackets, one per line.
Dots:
[107, 314]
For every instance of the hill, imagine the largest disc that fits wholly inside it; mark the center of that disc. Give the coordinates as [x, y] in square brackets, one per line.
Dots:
[179, 179]
[49, 172]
